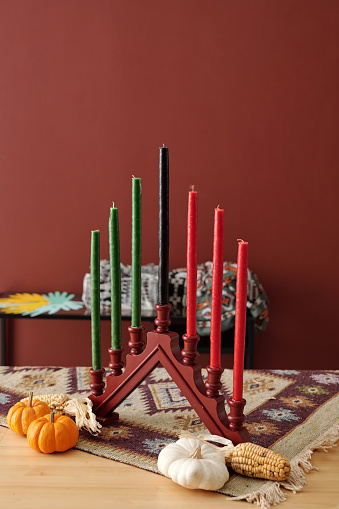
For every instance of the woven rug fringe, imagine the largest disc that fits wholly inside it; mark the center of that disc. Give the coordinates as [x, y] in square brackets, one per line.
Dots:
[271, 493]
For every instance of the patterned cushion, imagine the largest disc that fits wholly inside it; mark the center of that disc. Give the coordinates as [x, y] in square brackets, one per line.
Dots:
[257, 302]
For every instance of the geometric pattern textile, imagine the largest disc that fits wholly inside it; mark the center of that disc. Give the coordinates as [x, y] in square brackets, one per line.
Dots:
[257, 302]
[292, 412]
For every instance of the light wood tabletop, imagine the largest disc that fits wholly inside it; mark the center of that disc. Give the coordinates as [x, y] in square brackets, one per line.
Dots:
[76, 479]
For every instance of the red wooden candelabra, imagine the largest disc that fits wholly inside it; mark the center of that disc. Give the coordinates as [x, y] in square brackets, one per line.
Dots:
[163, 347]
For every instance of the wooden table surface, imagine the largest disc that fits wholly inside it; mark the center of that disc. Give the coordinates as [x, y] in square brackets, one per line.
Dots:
[76, 479]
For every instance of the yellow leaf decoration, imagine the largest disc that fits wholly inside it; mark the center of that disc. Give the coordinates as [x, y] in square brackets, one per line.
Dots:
[21, 302]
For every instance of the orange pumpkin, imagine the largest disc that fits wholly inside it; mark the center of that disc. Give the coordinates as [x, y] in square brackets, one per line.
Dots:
[53, 432]
[23, 413]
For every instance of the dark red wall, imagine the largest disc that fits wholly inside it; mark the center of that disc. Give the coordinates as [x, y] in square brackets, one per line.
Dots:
[246, 97]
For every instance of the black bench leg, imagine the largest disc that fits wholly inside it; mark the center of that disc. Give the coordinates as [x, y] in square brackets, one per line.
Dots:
[3, 341]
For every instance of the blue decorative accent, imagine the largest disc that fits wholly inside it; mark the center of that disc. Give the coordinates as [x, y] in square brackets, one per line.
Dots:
[58, 301]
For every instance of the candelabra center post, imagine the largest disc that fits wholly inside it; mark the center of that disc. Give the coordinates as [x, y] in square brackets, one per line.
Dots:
[162, 320]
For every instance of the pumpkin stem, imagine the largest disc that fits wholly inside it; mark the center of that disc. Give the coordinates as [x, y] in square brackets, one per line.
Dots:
[30, 397]
[52, 416]
[196, 454]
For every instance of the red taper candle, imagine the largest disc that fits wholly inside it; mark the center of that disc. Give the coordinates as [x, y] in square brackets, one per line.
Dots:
[217, 284]
[240, 320]
[192, 246]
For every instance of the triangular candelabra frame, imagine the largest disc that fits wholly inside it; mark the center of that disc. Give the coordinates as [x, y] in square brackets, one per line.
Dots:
[163, 347]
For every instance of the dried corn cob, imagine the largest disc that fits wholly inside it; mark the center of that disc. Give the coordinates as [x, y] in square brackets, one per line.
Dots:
[54, 401]
[249, 459]
[80, 409]
[255, 461]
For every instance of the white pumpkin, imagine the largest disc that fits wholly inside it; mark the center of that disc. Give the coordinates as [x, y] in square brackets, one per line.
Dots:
[193, 464]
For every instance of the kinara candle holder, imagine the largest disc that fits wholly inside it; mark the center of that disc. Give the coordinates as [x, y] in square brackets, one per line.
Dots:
[163, 348]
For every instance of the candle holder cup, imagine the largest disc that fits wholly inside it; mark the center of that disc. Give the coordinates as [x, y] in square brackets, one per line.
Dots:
[136, 342]
[236, 417]
[190, 351]
[97, 385]
[163, 347]
[162, 320]
[116, 363]
[213, 383]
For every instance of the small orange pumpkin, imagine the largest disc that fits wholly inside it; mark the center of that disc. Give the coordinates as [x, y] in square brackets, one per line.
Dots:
[53, 432]
[23, 413]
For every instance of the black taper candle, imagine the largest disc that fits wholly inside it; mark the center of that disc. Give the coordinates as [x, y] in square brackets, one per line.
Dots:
[163, 226]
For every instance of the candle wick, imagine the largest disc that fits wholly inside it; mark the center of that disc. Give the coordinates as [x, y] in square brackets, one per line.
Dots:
[193, 187]
[133, 176]
[113, 204]
[240, 240]
[163, 144]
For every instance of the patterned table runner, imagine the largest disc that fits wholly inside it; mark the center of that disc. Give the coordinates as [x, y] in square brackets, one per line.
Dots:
[292, 412]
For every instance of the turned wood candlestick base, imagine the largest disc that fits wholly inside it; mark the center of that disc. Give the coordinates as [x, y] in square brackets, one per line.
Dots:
[136, 342]
[97, 385]
[190, 351]
[236, 416]
[116, 363]
[213, 384]
[163, 347]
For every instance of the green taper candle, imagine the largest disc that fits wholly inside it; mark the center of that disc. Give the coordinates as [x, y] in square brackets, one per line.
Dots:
[95, 300]
[114, 256]
[136, 253]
